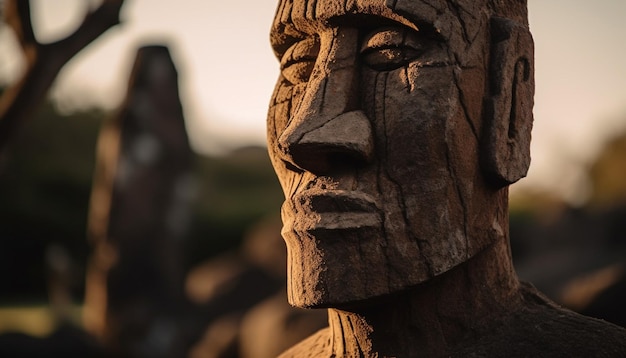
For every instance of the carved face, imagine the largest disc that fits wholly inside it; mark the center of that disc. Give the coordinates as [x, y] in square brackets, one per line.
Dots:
[373, 133]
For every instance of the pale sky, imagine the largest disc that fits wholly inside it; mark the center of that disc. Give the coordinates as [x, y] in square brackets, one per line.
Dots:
[227, 72]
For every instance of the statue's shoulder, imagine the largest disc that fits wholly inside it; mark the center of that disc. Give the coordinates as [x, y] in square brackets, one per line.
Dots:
[571, 332]
[541, 328]
[315, 346]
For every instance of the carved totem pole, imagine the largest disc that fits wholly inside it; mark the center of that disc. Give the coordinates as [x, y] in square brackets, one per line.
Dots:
[139, 215]
[395, 129]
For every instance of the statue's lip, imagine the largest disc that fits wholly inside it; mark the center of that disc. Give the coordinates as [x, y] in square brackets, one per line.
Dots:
[334, 201]
[320, 210]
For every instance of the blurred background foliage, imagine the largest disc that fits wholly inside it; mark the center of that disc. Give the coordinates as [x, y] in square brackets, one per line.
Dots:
[45, 184]
[608, 174]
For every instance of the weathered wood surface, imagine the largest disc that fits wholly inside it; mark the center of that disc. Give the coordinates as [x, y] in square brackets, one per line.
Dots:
[395, 129]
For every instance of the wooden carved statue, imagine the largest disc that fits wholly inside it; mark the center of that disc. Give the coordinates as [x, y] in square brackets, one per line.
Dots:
[395, 129]
[139, 215]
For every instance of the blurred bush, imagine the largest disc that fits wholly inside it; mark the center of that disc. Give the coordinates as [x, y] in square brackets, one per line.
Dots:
[45, 184]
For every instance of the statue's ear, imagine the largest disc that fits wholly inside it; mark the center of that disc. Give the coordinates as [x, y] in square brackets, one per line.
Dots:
[508, 109]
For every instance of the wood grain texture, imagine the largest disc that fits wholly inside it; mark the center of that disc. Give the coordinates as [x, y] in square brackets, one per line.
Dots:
[395, 129]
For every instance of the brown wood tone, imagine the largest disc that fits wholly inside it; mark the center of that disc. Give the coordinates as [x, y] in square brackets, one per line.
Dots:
[395, 129]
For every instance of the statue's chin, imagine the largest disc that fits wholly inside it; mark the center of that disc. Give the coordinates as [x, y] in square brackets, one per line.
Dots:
[336, 263]
[322, 281]
[335, 284]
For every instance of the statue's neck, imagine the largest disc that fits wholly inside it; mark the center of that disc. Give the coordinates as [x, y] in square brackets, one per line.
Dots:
[431, 318]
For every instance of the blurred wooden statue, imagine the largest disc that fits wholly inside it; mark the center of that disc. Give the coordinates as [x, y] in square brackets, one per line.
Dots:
[395, 129]
[140, 215]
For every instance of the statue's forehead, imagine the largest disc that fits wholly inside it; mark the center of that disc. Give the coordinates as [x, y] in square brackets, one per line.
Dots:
[303, 12]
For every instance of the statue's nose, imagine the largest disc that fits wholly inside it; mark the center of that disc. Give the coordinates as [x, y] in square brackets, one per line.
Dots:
[346, 138]
[328, 129]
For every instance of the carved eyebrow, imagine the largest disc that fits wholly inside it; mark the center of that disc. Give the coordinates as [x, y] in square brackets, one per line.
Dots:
[283, 36]
[428, 29]
[371, 22]
[425, 19]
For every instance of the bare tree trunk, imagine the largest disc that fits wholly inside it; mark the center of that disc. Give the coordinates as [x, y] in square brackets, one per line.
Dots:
[45, 61]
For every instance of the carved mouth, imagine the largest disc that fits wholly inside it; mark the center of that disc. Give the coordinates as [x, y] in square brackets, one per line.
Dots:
[334, 201]
[320, 210]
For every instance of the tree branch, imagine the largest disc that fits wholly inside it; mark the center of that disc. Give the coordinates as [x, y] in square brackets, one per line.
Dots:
[95, 24]
[18, 18]
[44, 61]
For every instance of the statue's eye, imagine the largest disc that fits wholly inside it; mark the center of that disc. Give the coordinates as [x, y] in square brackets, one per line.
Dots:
[298, 61]
[390, 48]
